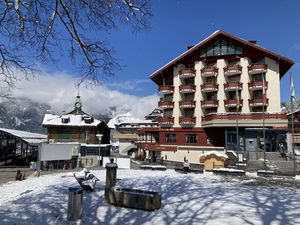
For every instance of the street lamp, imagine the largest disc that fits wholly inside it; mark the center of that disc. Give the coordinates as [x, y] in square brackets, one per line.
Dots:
[99, 136]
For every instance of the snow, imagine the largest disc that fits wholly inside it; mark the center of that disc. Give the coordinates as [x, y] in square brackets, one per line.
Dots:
[125, 118]
[186, 199]
[24, 134]
[75, 120]
[233, 152]
[217, 153]
[228, 169]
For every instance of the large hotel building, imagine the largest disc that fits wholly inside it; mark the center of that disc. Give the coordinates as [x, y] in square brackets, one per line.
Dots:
[218, 95]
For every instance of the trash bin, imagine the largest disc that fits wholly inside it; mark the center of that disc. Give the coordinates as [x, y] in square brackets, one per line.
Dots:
[75, 203]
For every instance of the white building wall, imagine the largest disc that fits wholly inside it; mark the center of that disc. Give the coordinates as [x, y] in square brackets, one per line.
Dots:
[176, 94]
[245, 79]
[221, 81]
[198, 95]
[273, 91]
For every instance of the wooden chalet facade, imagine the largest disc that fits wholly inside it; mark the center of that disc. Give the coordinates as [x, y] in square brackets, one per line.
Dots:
[75, 126]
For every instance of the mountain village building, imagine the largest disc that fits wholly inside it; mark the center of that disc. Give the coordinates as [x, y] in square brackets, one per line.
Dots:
[219, 94]
[124, 131]
[88, 137]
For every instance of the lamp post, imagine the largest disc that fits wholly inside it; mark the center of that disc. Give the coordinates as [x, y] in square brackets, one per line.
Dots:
[99, 136]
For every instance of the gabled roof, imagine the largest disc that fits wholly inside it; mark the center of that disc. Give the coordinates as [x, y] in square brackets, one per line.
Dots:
[285, 63]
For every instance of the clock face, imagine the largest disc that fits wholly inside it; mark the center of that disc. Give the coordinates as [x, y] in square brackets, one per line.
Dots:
[77, 104]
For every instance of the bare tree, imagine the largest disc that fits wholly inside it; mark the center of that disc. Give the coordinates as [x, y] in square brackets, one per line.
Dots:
[42, 30]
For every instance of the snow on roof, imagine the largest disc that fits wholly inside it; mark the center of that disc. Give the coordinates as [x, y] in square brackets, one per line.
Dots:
[217, 153]
[75, 120]
[26, 136]
[125, 118]
[23, 134]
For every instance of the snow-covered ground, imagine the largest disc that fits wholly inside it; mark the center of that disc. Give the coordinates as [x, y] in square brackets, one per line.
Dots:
[186, 199]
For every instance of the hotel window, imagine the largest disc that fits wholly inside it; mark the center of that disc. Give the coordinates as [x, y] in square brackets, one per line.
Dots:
[211, 96]
[258, 94]
[221, 47]
[170, 138]
[257, 78]
[191, 138]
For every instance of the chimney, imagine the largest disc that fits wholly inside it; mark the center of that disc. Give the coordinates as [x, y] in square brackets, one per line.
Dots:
[190, 46]
[253, 41]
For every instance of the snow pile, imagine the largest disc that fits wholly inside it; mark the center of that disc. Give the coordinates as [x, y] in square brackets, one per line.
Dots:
[186, 199]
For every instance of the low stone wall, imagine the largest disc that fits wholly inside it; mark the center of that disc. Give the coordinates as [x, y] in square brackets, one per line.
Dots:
[191, 170]
[153, 167]
[132, 198]
[232, 172]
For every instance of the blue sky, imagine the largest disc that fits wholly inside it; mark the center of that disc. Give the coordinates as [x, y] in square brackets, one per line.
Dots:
[175, 25]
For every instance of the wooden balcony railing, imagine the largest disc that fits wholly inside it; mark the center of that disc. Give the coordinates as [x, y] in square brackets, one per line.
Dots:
[257, 84]
[258, 101]
[233, 69]
[166, 89]
[253, 116]
[211, 70]
[187, 72]
[209, 86]
[187, 120]
[187, 87]
[213, 103]
[233, 85]
[165, 104]
[187, 103]
[229, 102]
[260, 67]
[169, 120]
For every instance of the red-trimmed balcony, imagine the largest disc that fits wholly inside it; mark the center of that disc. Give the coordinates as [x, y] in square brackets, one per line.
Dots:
[209, 103]
[232, 70]
[166, 89]
[240, 116]
[166, 121]
[165, 104]
[187, 73]
[187, 121]
[258, 102]
[257, 68]
[233, 103]
[187, 104]
[257, 85]
[187, 88]
[232, 86]
[209, 87]
[209, 71]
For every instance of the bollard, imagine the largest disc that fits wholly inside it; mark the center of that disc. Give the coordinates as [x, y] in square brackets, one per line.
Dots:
[111, 174]
[75, 203]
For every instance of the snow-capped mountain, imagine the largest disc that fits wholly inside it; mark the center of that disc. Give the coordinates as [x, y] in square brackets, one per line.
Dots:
[23, 114]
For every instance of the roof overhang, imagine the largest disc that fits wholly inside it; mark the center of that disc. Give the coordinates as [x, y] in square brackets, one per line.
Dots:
[285, 63]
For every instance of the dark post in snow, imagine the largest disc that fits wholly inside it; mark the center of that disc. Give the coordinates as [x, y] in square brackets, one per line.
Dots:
[111, 174]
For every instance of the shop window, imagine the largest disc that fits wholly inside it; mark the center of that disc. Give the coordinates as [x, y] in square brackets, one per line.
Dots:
[170, 138]
[191, 138]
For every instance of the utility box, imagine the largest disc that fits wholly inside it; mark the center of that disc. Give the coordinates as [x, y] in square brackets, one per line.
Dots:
[75, 203]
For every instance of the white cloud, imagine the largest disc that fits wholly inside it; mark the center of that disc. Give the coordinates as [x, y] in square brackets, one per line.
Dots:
[129, 85]
[59, 92]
